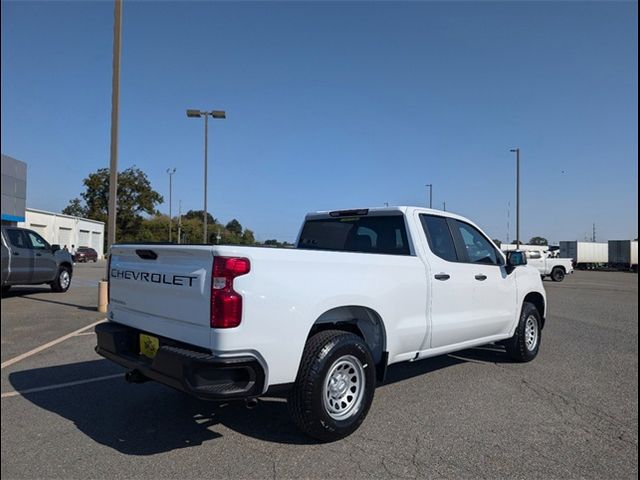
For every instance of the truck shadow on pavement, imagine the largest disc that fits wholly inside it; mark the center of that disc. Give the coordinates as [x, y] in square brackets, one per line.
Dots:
[150, 418]
[26, 292]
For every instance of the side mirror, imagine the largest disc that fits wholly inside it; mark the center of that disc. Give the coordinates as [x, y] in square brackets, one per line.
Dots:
[55, 248]
[515, 258]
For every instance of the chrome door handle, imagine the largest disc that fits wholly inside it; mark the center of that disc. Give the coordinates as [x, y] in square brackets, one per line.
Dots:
[481, 277]
[442, 276]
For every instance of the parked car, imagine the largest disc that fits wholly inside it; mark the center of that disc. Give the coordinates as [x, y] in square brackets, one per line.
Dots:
[86, 254]
[363, 289]
[548, 266]
[27, 259]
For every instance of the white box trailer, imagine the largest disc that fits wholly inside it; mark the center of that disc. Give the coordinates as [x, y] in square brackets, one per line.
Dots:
[585, 254]
[623, 254]
[506, 247]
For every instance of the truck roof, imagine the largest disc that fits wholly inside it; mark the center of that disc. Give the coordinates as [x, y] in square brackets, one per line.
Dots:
[363, 211]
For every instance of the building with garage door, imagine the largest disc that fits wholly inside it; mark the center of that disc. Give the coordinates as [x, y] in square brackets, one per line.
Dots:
[60, 229]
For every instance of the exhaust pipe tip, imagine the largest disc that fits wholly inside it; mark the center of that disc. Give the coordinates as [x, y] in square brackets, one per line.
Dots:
[251, 403]
[135, 376]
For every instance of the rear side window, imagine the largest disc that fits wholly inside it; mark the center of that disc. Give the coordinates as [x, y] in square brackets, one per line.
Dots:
[376, 234]
[16, 238]
[439, 237]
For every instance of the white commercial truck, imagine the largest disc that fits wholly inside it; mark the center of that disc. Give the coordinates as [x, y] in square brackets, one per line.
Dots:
[585, 254]
[363, 289]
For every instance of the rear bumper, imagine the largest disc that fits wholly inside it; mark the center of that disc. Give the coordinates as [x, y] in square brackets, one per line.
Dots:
[181, 366]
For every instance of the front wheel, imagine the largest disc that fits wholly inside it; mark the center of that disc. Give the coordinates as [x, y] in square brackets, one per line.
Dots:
[525, 343]
[62, 281]
[557, 275]
[335, 385]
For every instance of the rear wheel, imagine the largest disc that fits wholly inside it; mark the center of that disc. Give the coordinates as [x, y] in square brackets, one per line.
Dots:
[62, 281]
[525, 343]
[335, 385]
[5, 289]
[557, 274]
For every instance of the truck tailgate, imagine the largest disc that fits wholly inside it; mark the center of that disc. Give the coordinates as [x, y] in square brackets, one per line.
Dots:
[162, 289]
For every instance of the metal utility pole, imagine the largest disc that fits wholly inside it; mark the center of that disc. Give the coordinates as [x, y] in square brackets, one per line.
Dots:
[430, 185]
[170, 171]
[191, 113]
[115, 100]
[594, 234]
[444, 206]
[517, 152]
[179, 222]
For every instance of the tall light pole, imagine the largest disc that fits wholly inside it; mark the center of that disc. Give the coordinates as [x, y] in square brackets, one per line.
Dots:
[115, 100]
[179, 222]
[170, 171]
[221, 114]
[517, 152]
[430, 185]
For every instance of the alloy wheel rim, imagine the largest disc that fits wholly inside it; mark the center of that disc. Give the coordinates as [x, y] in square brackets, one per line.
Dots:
[344, 388]
[64, 279]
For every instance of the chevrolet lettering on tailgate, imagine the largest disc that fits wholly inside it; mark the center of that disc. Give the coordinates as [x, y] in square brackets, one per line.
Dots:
[167, 279]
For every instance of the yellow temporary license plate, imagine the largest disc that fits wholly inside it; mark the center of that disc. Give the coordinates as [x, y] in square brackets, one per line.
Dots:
[149, 345]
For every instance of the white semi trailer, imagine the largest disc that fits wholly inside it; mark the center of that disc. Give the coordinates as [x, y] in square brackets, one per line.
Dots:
[585, 254]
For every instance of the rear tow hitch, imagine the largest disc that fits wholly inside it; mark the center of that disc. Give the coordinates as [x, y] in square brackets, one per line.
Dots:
[251, 403]
[135, 376]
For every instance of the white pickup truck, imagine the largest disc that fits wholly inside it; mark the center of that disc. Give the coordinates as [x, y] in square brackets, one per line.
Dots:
[556, 268]
[362, 290]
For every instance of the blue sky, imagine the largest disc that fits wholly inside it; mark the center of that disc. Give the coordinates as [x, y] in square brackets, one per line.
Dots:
[334, 105]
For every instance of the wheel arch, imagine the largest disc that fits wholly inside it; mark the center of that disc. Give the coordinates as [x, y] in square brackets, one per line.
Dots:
[537, 299]
[361, 321]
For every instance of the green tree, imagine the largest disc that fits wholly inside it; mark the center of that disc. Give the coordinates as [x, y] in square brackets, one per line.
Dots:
[136, 197]
[538, 241]
[199, 215]
[497, 242]
[234, 227]
[75, 208]
[248, 238]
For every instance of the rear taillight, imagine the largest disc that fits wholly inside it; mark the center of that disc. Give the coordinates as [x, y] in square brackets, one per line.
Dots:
[226, 303]
[109, 278]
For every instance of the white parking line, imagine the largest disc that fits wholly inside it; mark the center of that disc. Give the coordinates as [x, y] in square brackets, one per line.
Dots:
[47, 345]
[60, 385]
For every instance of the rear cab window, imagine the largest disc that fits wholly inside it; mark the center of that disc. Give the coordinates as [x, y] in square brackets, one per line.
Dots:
[384, 234]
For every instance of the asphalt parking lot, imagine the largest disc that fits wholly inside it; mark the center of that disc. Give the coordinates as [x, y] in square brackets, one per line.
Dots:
[572, 413]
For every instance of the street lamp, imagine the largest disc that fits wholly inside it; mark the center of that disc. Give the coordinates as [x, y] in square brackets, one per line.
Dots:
[170, 171]
[430, 185]
[115, 102]
[517, 152]
[220, 114]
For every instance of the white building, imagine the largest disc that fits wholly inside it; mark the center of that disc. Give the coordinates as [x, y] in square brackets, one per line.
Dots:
[60, 229]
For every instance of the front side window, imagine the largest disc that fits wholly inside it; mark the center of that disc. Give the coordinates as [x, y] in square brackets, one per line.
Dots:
[439, 237]
[479, 249]
[37, 242]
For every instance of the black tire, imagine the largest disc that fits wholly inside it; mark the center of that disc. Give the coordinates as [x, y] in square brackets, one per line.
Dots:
[5, 289]
[60, 285]
[557, 274]
[325, 353]
[518, 346]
